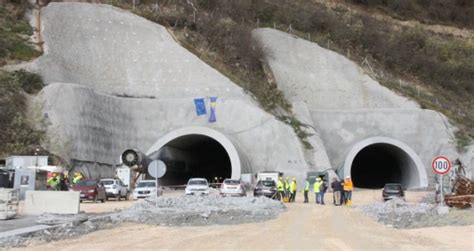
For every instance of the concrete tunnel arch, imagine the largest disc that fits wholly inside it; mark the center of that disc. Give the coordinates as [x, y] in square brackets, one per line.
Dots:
[407, 167]
[199, 131]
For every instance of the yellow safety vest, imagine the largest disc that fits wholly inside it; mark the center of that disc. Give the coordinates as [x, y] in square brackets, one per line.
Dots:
[306, 186]
[293, 186]
[317, 185]
[280, 186]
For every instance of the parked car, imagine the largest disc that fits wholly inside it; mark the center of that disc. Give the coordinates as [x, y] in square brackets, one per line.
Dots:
[233, 188]
[90, 189]
[146, 188]
[197, 186]
[392, 190]
[265, 188]
[115, 188]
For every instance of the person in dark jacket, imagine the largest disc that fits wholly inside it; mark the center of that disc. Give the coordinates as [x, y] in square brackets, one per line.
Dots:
[63, 186]
[324, 188]
[337, 190]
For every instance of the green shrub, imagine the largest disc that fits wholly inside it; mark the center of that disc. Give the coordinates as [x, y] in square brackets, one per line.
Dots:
[17, 136]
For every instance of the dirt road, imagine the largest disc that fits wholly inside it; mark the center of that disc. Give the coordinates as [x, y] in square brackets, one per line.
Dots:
[303, 226]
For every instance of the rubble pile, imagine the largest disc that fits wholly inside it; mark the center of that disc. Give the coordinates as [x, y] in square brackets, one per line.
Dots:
[463, 196]
[401, 214]
[200, 210]
[396, 212]
[177, 211]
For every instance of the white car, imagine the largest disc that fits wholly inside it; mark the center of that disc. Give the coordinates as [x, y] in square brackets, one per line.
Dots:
[197, 186]
[232, 188]
[114, 188]
[145, 188]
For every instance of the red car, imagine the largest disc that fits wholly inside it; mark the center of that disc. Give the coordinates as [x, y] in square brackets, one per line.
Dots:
[91, 190]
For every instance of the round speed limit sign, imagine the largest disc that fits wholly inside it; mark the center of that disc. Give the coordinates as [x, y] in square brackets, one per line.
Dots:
[441, 165]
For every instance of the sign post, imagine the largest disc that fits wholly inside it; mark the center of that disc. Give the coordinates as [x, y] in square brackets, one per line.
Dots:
[157, 169]
[441, 166]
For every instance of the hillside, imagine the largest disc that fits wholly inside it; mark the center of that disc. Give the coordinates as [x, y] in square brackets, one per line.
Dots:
[433, 66]
[18, 135]
[401, 46]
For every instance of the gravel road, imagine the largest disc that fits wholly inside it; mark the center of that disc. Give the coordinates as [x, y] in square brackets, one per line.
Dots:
[302, 226]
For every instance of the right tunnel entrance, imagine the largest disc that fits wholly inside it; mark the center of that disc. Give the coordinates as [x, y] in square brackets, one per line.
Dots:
[373, 164]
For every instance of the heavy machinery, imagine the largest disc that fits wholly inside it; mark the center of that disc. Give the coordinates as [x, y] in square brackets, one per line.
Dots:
[136, 160]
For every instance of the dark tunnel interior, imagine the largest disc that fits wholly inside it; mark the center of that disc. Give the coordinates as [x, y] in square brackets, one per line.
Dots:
[194, 156]
[378, 164]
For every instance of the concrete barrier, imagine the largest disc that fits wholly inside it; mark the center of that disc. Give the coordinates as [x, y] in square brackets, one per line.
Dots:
[38, 202]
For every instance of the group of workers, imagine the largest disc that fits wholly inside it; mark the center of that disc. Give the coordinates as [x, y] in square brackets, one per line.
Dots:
[286, 190]
[342, 190]
[60, 182]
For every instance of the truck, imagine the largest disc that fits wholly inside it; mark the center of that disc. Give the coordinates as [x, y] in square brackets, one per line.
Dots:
[123, 173]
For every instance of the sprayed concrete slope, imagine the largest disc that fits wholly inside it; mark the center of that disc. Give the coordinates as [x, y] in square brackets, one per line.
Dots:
[116, 52]
[349, 109]
[104, 51]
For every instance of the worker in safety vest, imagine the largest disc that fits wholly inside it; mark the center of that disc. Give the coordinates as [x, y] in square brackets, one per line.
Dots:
[53, 182]
[287, 187]
[317, 189]
[306, 190]
[77, 177]
[293, 190]
[348, 187]
[280, 189]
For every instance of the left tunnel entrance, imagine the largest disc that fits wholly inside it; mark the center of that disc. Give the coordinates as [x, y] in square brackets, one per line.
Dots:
[193, 156]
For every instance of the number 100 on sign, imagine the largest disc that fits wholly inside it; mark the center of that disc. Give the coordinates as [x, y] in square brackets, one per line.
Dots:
[441, 165]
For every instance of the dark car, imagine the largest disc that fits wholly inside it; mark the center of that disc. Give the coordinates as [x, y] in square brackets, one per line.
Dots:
[90, 190]
[265, 188]
[392, 190]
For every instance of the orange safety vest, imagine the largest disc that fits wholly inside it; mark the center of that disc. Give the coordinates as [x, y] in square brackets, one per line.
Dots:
[348, 185]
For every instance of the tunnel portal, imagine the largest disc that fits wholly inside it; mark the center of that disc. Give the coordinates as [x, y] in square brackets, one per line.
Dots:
[377, 161]
[193, 156]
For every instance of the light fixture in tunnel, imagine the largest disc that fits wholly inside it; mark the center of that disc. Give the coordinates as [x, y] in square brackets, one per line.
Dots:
[376, 161]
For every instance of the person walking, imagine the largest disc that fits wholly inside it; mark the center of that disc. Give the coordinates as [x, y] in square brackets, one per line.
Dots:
[336, 195]
[348, 187]
[317, 191]
[306, 190]
[280, 189]
[293, 190]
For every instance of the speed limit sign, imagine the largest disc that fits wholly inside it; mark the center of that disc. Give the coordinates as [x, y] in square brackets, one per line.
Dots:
[441, 165]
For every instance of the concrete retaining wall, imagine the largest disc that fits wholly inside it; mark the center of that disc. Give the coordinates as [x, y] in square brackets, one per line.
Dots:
[107, 52]
[56, 202]
[427, 132]
[347, 106]
[88, 125]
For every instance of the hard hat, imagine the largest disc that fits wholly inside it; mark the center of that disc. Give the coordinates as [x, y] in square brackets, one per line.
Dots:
[348, 177]
[294, 178]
